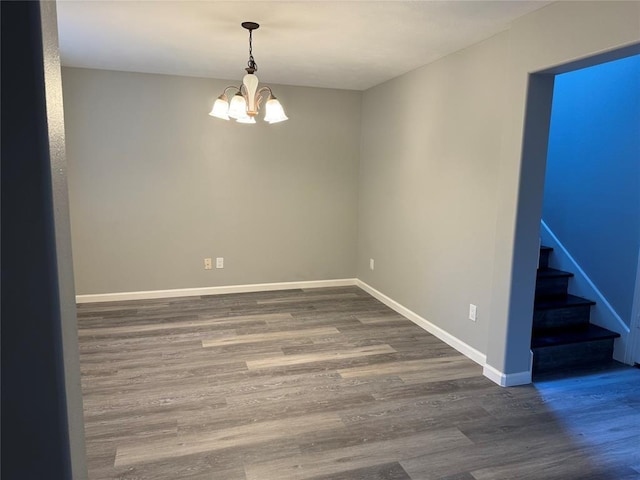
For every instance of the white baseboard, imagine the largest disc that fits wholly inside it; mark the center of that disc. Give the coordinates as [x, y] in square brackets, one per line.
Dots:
[496, 376]
[506, 379]
[467, 350]
[194, 292]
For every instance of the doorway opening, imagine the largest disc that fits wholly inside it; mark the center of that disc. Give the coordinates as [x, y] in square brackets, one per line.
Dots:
[541, 131]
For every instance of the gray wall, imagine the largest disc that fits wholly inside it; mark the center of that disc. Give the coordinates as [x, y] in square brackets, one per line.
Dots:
[428, 181]
[156, 185]
[451, 177]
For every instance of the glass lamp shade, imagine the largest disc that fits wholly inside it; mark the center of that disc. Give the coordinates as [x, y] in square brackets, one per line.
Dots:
[246, 119]
[220, 108]
[238, 106]
[274, 112]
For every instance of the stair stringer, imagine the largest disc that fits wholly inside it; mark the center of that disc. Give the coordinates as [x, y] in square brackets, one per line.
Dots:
[602, 314]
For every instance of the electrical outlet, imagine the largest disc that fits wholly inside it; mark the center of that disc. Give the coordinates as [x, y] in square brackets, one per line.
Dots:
[472, 312]
[371, 264]
[220, 262]
[207, 264]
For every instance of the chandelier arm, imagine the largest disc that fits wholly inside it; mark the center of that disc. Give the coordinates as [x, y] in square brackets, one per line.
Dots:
[230, 86]
[266, 88]
[258, 100]
[259, 96]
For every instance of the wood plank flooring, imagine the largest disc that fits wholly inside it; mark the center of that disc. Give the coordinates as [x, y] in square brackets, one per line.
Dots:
[329, 384]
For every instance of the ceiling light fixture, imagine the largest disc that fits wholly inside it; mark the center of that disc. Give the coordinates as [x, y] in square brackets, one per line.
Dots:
[245, 104]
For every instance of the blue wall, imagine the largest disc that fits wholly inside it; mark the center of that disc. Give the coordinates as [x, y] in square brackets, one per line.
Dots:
[592, 189]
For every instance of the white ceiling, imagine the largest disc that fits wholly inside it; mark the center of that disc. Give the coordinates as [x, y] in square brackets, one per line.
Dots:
[345, 44]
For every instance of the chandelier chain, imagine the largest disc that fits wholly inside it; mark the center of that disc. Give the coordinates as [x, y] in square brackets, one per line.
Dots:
[251, 63]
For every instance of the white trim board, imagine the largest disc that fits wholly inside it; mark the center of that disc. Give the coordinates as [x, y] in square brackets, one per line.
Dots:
[436, 331]
[506, 379]
[194, 292]
[493, 374]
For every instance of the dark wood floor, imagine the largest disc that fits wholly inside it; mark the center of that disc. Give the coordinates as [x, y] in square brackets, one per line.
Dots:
[329, 384]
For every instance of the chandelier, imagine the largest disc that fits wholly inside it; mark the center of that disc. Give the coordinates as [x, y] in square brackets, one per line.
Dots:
[245, 103]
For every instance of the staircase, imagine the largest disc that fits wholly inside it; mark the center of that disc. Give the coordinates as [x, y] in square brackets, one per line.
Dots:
[562, 337]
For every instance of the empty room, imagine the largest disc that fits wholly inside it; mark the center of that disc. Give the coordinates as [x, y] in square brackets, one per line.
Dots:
[321, 240]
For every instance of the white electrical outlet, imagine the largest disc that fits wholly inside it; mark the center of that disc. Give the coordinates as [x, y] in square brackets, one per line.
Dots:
[220, 262]
[472, 312]
[371, 264]
[207, 264]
